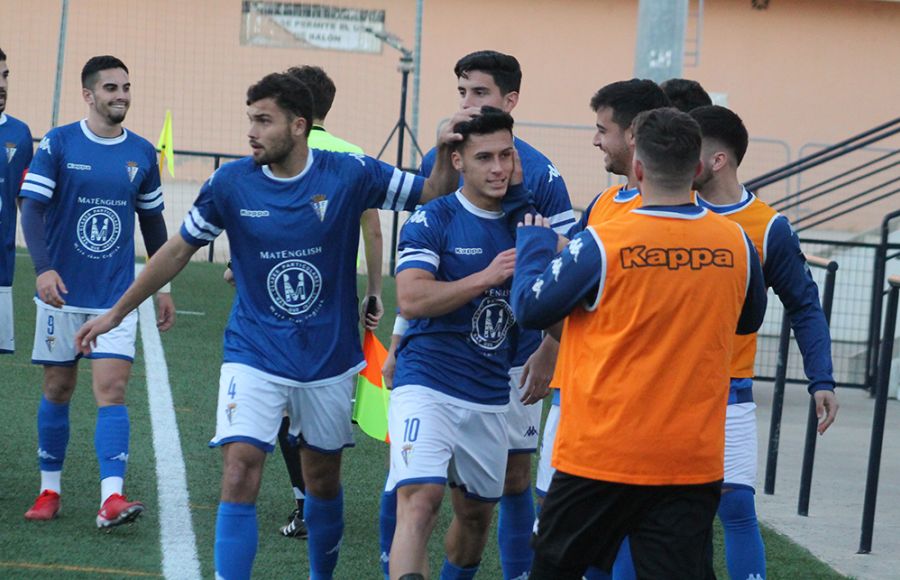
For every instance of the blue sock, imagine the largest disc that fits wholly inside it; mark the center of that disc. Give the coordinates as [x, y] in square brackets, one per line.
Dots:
[111, 440]
[452, 572]
[53, 434]
[745, 554]
[325, 522]
[514, 527]
[593, 573]
[387, 523]
[623, 567]
[236, 539]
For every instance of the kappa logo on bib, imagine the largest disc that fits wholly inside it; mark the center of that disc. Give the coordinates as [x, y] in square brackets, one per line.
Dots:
[99, 229]
[491, 323]
[294, 286]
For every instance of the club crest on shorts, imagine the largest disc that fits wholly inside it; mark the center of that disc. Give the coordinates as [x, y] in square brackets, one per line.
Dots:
[99, 229]
[491, 323]
[320, 204]
[10, 151]
[132, 168]
[406, 453]
[50, 341]
[294, 286]
[230, 410]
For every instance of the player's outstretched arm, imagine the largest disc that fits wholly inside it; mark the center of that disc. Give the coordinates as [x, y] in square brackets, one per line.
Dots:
[419, 295]
[162, 267]
[444, 178]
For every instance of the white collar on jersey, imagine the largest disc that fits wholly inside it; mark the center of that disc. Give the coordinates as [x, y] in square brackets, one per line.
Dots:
[475, 210]
[102, 140]
[268, 172]
[2, 118]
[725, 209]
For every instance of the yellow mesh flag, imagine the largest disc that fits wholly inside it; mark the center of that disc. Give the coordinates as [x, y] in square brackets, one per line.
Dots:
[165, 147]
[372, 396]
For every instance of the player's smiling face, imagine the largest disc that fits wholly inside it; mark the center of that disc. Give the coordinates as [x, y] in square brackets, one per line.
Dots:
[614, 141]
[110, 97]
[4, 83]
[486, 164]
[478, 89]
[271, 135]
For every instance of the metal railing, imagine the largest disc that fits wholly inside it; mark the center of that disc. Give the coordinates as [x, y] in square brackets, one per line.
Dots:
[830, 267]
[878, 421]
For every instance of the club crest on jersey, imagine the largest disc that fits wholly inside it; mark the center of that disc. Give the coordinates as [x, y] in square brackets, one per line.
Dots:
[320, 204]
[10, 151]
[99, 229]
[132, 168]
[491, 323]
[294, 286]
[406, 453]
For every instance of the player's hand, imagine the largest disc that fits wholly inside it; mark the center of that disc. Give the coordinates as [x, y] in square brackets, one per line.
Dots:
[500, 269]
[50, 288]
[516, 177]
[390, 363]
[371, 316]
[447, 137]
[228, 276]
[534, 220]
[538, 372]
[826, 409]
[86, 337]
[165, 316]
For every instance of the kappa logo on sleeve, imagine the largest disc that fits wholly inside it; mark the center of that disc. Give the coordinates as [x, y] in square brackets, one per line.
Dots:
[420, 217]
[675, 258]
[552, 172]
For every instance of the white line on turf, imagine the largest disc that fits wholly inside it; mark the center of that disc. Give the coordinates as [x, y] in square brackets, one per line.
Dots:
[177, 540]
[190, 312]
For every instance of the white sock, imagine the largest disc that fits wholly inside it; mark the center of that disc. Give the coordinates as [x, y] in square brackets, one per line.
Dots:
[51, 480]
[109, 486]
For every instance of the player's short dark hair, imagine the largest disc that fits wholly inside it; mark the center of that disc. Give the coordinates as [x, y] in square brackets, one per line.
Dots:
[320, 85]
[503, 68]
[725, 126]
[628, 98]
[686, 94]
[96, 64]
[2, 55]
[292, 96]
[667, 142]
[489, 121]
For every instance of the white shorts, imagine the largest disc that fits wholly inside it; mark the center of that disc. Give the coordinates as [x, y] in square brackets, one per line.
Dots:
[434, 439]
[524, 421]
[54, 337]
[545, 470]
[252, 404]
[7, 336]
[740, 445]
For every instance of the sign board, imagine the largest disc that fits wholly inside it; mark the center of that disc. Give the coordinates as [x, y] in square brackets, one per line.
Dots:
[305, 25]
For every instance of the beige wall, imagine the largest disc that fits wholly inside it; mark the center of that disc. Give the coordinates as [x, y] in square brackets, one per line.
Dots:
[802, 71]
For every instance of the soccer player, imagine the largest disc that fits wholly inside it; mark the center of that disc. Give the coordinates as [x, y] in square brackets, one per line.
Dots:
[785, 270]
[14, 159]
[291, 341]
[686, 94]
[80, 196]
[640, 453]
[490, 78]
[447, 418]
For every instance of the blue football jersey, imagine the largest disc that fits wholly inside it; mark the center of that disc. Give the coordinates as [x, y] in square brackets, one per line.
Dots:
[466, 353]
[93, 186]
[293, 252]
[551, 199]
[14, 160]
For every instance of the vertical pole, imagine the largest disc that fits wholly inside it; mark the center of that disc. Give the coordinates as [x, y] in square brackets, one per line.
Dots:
[401, 126]
[812, 421]
[60, 59]
[217, 161]
[777, 404]
[417, 64]
[884, 375]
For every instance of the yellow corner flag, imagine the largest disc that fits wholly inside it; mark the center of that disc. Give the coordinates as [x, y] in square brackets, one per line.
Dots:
[372, 397]
[165, 147]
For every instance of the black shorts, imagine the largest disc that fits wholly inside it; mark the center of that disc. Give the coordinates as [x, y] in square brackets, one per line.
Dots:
[583, 522]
